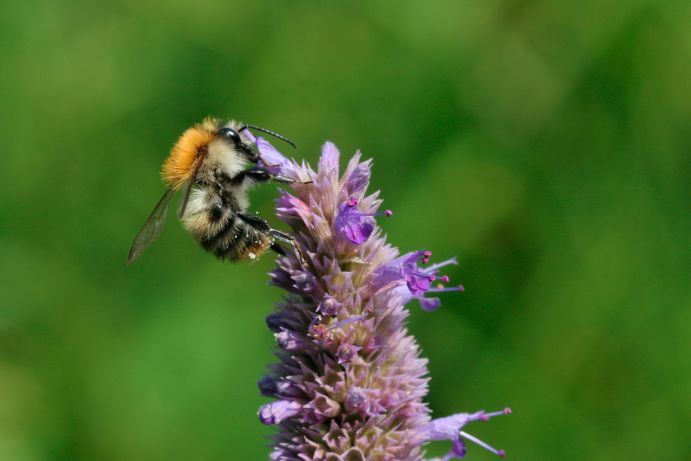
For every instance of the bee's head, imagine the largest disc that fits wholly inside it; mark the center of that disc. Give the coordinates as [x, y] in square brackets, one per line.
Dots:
[193, 147]
[231, 135]
[225, 144]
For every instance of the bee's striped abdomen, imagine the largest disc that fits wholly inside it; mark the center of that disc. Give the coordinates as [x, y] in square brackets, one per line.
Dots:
[234, 239]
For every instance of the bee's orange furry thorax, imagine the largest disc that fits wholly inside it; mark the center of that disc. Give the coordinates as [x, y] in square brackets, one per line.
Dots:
[179, 166]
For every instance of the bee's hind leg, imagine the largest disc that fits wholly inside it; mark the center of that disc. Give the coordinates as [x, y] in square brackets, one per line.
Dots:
[288, 239]
[278, 236]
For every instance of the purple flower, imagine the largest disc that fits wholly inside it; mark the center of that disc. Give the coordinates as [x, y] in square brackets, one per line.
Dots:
[359, 178]
[418, 280]
[292, 341]
[349, 381]
[449, 428]
[267, 386]
[347, 352]
[278, 411]
[366, 402]
[355, 225]
[329, 305]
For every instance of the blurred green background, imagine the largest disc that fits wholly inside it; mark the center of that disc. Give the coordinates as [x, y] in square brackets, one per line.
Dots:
[544, 143]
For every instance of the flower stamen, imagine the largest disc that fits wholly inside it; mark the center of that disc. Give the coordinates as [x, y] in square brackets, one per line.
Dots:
[443, 289]
[344, 322]
[486, 446]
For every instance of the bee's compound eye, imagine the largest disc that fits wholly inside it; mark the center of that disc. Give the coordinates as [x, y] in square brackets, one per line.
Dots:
[230, 134]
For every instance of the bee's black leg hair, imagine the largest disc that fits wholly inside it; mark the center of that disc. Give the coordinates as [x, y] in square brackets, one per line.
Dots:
[280, 236]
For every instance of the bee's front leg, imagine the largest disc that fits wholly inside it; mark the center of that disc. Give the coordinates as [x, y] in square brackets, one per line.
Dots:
[261, 175]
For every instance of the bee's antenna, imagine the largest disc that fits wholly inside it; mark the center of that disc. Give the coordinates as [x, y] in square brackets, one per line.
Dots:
[272, 133]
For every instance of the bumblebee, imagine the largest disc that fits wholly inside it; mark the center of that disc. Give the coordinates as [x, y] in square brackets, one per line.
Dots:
[213, 163]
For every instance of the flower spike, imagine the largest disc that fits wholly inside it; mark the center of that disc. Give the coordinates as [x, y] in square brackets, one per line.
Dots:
[349, 383]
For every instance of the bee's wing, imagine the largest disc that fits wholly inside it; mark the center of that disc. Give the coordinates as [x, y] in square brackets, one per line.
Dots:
[185, 198]
[190, 183]
[152, 227]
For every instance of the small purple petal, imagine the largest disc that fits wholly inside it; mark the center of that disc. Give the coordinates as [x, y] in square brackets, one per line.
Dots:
[358, 180]
[286, 388]
[272, 159]
[328, 162]
[267, 386]
[323, 407]
[364, 401]
[269, 154]
[428, 304]
[355, 400]
[328, 305]
[249, 135]
[278, 411]
[346, 353]
[353, 224]
[418, 282]
[276, 322]
[447, 428]
[458, 448]
[292, 341]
